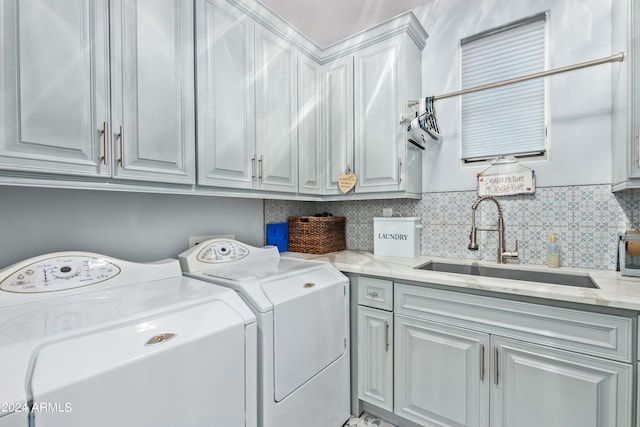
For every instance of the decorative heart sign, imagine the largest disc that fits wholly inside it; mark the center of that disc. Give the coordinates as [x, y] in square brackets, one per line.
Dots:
[347, 181]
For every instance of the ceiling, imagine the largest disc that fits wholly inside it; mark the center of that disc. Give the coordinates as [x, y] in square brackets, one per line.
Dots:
[328, 21]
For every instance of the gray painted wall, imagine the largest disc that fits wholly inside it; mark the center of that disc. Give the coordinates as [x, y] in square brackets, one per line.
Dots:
[130, 226]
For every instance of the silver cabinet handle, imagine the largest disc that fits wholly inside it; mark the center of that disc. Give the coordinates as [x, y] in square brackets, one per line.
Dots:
[386, 336]
[399, 171]
[481, 362]
[638, 159]
[373, 294]
[121, 146]
[260, 166]
[253, 168]
[105, 142]
[495, 366]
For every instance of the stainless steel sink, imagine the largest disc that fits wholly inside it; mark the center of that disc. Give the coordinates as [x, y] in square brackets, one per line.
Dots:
[583, 281]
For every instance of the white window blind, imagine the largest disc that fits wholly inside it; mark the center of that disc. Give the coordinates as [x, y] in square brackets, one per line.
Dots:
[508, 120]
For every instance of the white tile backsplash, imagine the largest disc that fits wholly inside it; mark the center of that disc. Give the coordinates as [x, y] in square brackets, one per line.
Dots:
[585, 218]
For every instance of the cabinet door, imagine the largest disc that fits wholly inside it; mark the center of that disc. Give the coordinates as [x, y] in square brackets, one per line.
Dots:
[310, 125]
[226, 110]
[634, 140]
[276, 112]
[54, 86]
[535, 386]
[441, 374]
[375, 357]
[338, 106]
[153, 95]
[379, 97]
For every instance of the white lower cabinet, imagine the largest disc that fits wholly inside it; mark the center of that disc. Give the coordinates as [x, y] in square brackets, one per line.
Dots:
[448, 376]
[441, 374]
[462, 360]
[375, 341]
[375, 357]
[537, 386]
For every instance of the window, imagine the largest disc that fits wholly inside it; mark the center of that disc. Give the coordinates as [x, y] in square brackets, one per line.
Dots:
[508, 120]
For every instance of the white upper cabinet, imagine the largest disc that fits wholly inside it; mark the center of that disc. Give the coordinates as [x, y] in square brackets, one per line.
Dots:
[379, 95]
[56, 115]
[247, 102]
[625, 135]
[338, 107]
[276, 112]
[310, 125]
[54, 86]
[152, 71]
[225, 95]
[386, 76]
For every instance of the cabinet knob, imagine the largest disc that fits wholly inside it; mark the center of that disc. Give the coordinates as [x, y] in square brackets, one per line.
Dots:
[373, 294]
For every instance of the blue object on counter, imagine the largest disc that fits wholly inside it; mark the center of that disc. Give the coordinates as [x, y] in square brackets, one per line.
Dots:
[278, 235]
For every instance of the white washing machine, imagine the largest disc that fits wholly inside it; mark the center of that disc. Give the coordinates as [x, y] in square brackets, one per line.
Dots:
[303, 329]
[89, 340]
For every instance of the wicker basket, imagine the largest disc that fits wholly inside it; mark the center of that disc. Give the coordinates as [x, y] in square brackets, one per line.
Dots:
[317, 235]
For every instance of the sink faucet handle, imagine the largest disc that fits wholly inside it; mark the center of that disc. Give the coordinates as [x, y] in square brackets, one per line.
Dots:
[510, 254]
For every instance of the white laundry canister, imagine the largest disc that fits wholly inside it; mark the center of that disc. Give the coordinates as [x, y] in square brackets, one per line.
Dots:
[397, 236]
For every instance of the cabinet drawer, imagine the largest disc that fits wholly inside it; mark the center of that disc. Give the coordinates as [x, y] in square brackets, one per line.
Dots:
[377, 293]
[597, 334]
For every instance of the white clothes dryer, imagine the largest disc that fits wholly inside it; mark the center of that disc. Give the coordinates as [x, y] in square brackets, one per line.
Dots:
[303, 329]
[90, 340]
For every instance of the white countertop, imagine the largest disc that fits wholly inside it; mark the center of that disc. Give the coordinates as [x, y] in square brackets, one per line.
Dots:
[615, 290]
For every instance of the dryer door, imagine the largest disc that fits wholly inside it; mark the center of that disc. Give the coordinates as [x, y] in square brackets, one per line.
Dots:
[310, 326]
[132, 376]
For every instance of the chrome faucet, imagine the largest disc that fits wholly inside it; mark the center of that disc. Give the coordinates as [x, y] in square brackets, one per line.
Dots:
[473, 244]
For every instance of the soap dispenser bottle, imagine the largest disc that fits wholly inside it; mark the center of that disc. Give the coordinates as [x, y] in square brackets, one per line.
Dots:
[553, 252]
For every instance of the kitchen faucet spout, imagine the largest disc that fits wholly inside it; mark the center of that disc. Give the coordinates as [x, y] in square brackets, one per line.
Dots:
[473, 237]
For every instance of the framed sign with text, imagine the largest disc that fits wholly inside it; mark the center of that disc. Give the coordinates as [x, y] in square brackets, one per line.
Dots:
[507, 184]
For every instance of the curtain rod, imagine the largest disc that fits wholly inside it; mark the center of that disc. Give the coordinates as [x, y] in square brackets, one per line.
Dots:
[613, 58]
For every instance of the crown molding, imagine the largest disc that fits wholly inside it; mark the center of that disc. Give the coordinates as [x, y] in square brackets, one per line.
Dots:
[405, 23]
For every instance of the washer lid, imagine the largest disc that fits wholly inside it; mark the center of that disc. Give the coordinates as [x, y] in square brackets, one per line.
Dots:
[248, 278]
[120, 377]
[25, 328]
